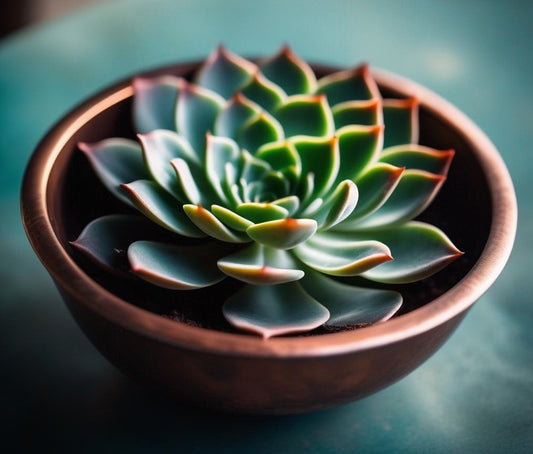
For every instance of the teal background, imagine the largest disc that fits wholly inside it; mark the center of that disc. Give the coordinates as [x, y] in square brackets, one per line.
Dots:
[475, 395]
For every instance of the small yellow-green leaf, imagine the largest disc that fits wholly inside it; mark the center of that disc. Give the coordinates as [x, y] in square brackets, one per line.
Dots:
[261, 212]
[260, 265]
[210, 225]
[290, 203]
[284, 233]
[230, 218]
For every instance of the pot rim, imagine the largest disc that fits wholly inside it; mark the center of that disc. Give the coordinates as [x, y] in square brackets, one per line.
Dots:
[74, 281]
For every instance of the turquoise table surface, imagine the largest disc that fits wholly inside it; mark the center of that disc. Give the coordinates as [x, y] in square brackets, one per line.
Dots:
[474, 395]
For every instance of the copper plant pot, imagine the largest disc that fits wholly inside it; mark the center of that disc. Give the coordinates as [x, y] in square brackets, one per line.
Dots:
[240, 372]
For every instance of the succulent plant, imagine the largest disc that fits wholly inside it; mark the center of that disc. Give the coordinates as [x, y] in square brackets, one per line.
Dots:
[281, 181]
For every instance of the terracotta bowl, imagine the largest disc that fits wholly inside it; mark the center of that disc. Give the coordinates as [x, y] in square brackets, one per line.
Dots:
[239, 372]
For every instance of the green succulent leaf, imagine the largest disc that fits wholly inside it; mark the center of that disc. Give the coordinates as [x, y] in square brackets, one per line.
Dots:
[419, 251]
[321, 158]
[348, 304]
[251, 168]
[336, 255]
[230, 218]
[280, 155]
[294, 179]
[187, 189]
[273, 310]
[306, 115]
[291, 203]
[154, 103]
[375, 186]
[234, 115]
[359, 146]
[106, 239]
[196, 111]
[401, 119]
[283, 233]
[209, 224]
[261, 212]
[414, 192]
[116, 161]
[219, 152]
[260, 265]
[177, 267]
[160, 207]
[351, 85]
[290, 72]
[159, 148]
[338, 206]
[264, 92]
[263, 128]
[224, 72]
[277, 184]
[358, 113]
[414, 156]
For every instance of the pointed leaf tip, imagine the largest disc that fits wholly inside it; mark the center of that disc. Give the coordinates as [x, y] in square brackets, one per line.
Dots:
[419, 250]
[224, 72]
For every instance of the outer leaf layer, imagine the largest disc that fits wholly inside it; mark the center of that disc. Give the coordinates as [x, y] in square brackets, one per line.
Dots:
[160, 207]
[154, 103]
[176, 267]
[116, 161]
[274, 309]
[419, 250]
[351, 305]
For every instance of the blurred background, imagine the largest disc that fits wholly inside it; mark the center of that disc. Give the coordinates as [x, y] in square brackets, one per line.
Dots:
[58, 394]
[15, 14]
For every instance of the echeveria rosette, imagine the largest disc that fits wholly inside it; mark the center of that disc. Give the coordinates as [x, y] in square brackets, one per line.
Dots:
[289, 181]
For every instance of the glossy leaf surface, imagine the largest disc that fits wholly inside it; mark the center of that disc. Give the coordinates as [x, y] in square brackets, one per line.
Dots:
[176, 267]
[274, 309]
